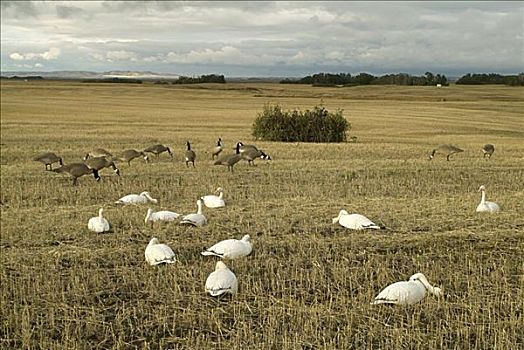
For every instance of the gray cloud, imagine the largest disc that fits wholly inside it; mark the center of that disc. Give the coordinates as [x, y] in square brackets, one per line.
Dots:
[68, 11]
[265, 38]
[19, 9]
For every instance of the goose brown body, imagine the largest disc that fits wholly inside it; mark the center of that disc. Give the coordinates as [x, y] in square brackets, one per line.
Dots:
[229, 160]
[251, 152]
[48, 159]
[447, 150]
[100, 163]
[98, 152]
[157, 149]
[77, 170]
[129, 154]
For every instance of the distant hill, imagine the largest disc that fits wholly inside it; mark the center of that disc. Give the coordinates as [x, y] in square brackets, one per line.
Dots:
[92, 75]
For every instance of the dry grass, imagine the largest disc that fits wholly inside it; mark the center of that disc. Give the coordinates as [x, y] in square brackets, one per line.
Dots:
[308, 283]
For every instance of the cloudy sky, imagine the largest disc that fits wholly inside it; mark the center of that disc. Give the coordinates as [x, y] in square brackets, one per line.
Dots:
[263, 38]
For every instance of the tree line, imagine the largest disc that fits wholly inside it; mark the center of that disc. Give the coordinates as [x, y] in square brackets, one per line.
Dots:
[210, 78]
[114, 80]
[492, 78]
[346, 79]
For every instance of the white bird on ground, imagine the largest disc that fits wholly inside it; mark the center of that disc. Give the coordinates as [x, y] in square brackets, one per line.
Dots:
[195, 219]
[484, 205]
[158, 253]
[407, 292]
[354, 221]
[141, 198]
[231, 248]
[213, 201]
[98, 223]
[162, 215]
[221, 281]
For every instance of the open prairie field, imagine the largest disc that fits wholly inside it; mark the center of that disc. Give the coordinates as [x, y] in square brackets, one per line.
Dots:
[308, 283]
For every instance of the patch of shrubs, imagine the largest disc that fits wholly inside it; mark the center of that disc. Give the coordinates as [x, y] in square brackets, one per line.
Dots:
[316, 125]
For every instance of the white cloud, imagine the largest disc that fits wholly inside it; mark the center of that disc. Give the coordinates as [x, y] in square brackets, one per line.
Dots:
[16, 56]
[29, 66]
[225, 54]
[97, 56]
[301, 58]
[152, 59]
[121, 55]
[52, 54]
[335, 55]
[112, 56]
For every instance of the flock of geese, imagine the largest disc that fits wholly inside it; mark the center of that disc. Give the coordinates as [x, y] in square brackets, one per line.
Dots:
[219, 282]
[222, 280]
[98, 159]
[449, 150]
[487, 150]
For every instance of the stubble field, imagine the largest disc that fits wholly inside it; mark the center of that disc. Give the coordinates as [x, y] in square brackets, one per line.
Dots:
[308, 283]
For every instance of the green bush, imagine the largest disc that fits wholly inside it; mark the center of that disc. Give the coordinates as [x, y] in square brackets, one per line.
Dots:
[317, 125]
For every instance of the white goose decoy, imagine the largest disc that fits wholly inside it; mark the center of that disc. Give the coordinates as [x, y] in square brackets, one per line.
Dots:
[231, 248]
[141, 198]
[98, 223]
[196, 219]
[407, 292]
[162, 215]
[158, 253]
[354, 221]
[221, 281]
[484, 205]
[213, 201]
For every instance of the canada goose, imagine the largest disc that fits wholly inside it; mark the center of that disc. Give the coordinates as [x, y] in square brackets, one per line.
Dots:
[77, 170]
[99, 224]
[190, 155]
[141, 198]
[448, 150]
[218, 148]
[157, 253]
[48, 159]
[98, 152]
[488, 150]
[163, 215]
[157, 149]
[407, 292]
[100, 163]
[229, 159]
[231, 248]
[221, 281]
[245, 147]
[484, 205]
[354, 221]
[250, 154]
[129, 154]
[213, 201]
[195, 219]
